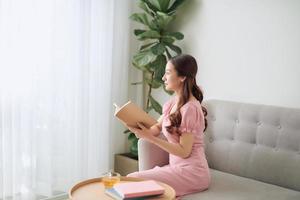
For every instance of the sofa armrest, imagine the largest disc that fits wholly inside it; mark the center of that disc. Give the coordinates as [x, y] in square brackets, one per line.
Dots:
[151, 155]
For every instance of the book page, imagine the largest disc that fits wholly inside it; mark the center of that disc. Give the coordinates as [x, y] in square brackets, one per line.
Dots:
[131, 114]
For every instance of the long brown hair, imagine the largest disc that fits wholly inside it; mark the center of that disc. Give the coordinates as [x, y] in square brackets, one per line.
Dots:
[186, 66]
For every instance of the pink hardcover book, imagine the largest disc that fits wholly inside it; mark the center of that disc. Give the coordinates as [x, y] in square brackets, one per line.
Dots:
[139, 189]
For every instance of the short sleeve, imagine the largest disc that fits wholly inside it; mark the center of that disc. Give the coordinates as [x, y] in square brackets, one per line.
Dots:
[189, 119]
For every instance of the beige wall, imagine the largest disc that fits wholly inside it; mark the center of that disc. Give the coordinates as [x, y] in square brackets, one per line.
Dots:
[247, 50]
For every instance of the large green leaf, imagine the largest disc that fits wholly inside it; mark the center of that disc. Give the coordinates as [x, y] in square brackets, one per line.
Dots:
[143, 68]
[158, 49]
[156, 106]
[151, 6]
[174, 48]
[176, 35]
[147, 45]
[154, 83]
[164, 5]
[158, 66]
[167, 39]
[153, 25]
[160, 62]
[154, 3]
[163, 19]
[150, 34]
[175, 6]
[140, 17]
[143, 58]
[161, 4]
[145, 7]
[138, 31]
[168, 54]
[159, 73]
[131, 136]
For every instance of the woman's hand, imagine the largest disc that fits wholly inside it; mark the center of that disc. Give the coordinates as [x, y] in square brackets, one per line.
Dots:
[141, 132]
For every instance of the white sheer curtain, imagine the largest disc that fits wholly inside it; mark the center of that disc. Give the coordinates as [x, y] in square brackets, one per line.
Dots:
[58, 60]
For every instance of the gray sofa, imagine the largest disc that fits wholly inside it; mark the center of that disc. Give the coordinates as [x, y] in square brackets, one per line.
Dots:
[253, 152]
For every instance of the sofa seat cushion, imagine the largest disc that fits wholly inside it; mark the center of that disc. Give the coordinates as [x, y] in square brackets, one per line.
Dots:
[225, 186]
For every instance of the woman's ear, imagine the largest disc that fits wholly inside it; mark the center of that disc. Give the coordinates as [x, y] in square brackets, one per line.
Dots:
[182, 79]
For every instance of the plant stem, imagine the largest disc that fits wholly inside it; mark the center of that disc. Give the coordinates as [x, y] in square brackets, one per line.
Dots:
[149, 91]
[168, 54]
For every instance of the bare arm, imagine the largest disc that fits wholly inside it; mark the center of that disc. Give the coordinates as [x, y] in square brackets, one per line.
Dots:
[182, 149]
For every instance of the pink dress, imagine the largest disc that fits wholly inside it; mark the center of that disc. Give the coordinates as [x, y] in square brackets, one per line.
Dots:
[187, 175]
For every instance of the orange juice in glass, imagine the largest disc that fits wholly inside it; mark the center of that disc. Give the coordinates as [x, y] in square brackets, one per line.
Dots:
[109, 179]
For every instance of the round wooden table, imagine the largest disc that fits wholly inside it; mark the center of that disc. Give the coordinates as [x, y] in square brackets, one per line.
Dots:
[93, 189]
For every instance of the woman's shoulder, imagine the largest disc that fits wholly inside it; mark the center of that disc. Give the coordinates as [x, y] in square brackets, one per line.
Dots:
[192, 106]
[194, 103]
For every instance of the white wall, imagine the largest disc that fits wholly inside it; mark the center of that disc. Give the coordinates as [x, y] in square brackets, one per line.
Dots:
[247, 50]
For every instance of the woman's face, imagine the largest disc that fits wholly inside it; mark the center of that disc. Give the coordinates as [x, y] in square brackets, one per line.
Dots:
[172, 81]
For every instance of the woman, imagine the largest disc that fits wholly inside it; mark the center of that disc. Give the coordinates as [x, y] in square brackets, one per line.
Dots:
[183, 122]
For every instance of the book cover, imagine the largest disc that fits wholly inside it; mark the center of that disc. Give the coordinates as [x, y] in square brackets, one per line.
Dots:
[113, 193]
[131, 114]
[138, 189]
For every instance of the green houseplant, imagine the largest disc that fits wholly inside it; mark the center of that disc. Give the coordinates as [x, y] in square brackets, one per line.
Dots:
[156, 48]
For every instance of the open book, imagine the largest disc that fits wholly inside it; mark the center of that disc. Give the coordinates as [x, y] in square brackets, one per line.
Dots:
[131, 114]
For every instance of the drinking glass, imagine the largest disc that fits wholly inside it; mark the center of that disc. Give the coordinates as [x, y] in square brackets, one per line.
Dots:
[110, 178]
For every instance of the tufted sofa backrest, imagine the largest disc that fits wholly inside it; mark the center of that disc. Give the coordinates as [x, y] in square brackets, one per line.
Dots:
[255, 141]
